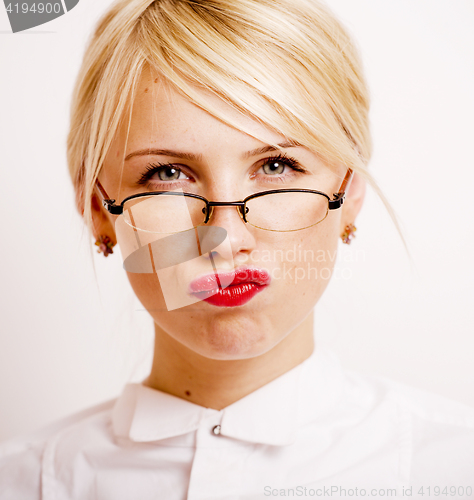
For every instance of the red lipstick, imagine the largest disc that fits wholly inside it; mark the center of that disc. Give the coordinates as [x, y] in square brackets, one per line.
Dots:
[243, 285]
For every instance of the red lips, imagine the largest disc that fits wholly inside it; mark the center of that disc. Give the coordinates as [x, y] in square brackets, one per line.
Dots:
[230, 289]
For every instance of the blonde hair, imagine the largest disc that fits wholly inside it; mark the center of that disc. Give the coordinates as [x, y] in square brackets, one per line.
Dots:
[289, 64]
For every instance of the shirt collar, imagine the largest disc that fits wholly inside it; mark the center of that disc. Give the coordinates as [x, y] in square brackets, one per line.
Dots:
[270, 415]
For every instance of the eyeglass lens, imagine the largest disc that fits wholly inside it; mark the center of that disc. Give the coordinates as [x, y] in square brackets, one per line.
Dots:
[172, 213]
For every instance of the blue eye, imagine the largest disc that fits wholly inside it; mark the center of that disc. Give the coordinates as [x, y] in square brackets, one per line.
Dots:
[277, 165]
[274, 167]
[161, 172]
[168, 173]
[278, 168]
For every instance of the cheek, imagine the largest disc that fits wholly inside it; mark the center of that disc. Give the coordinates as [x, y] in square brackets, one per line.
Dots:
[148, 291]
[301, 263]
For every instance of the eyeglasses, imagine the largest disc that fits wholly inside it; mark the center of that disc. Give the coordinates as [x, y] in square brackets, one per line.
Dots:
[275, 210]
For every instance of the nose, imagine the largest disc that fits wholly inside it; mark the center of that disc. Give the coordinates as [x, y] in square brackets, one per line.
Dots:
[240, 239]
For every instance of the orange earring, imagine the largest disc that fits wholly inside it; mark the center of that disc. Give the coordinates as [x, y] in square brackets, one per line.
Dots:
[348, 235]
[105, 245]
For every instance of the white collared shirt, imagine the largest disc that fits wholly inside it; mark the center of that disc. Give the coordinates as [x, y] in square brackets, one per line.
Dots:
[316, 431]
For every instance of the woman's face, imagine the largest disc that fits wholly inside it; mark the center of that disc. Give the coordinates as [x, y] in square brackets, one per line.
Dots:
[222, 163]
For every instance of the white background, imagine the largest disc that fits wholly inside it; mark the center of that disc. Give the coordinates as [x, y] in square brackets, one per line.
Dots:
[70, 339]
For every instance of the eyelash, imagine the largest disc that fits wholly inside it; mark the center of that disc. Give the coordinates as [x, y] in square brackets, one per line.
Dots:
[295, 166]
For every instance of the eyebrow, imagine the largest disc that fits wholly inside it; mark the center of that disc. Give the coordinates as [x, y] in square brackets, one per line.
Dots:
[266, 149]
[198, 157]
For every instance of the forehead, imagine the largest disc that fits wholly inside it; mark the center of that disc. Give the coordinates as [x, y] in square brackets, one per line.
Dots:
[163, 116]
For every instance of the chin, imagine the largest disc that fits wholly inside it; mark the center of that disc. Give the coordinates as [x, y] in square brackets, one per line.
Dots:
[234, 340]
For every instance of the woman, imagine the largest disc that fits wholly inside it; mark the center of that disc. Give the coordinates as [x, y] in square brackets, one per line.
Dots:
[224, 146]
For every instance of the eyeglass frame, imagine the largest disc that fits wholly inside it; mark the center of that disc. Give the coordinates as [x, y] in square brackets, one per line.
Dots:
[337, 201]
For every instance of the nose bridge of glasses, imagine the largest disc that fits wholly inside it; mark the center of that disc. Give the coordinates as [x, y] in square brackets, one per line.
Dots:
[239, 205]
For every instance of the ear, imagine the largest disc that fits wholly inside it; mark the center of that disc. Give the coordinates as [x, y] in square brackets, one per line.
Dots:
[102, 222]
[353, 201]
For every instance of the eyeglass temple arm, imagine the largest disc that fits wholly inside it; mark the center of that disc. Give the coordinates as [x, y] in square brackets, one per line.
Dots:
[338, 199]
[107, 202]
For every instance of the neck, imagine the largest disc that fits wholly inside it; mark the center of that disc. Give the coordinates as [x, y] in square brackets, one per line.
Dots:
[216, 384]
